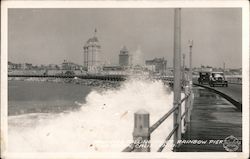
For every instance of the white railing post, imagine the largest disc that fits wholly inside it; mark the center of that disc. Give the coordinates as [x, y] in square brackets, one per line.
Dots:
[141, 134]
[187, 107]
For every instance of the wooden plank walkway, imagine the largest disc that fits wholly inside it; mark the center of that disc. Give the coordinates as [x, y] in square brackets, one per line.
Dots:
[213, 118]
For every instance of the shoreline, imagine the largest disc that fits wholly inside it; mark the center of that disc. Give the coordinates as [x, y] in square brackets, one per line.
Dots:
[86, 82]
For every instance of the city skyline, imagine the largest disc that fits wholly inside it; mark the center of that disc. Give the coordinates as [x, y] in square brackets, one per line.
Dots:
[44, 36]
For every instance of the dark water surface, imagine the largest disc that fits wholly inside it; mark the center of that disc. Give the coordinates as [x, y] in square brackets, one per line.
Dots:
[43, 97]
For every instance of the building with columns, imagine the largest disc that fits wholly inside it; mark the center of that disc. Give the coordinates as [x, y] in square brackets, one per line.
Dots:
[91, 55]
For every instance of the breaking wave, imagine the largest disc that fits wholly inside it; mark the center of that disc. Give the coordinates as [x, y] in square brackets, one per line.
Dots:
[104, 123]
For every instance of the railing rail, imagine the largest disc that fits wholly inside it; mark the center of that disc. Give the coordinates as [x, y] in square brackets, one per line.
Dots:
[234, 80]
[162, 119]
[167, 138]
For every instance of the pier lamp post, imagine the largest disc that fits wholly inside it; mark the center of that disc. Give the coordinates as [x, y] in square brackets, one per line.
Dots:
[190, 43]
[183, 70]
[224, 67]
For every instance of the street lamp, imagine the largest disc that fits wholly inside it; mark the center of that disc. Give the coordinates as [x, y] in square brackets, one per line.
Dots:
[183, 70]
[190, 44]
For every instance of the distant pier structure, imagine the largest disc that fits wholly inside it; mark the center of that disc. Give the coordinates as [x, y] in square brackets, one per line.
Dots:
[91, 55]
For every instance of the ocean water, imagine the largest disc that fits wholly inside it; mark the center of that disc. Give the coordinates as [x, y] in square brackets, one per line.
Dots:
[44, 97]
[102, 122]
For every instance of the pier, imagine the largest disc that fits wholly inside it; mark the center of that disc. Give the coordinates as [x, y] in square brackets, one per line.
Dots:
[213, 119]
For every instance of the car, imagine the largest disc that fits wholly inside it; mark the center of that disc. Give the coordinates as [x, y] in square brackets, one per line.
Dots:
[218, 79]
[69, 73]
[204, 77]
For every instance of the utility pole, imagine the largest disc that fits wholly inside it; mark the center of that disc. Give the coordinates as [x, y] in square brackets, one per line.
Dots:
[190, 42]
[190, 79]
[224, 67]
[183, 60]
[177, 73]
[183, 70]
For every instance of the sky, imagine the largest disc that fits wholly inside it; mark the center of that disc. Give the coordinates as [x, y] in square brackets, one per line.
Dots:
[51, 35]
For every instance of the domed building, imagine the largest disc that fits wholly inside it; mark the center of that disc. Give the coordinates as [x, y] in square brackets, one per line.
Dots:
[92, 50]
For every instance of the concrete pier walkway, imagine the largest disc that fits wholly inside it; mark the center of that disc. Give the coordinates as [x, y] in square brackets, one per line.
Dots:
[213, 119]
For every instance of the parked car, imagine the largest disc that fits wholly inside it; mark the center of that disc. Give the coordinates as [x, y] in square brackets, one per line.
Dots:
[69, 73]
[217, 79]
[204, 77]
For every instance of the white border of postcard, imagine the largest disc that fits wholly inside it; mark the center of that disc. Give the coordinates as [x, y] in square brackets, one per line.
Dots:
[244, 5]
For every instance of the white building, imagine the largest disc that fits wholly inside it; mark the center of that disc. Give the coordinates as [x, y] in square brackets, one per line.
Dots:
[91, 55]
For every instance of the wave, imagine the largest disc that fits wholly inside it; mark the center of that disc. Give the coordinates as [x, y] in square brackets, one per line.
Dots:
[104, 123]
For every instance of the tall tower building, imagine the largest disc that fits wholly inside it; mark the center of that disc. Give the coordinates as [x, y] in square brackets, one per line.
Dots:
[91, 54]
[124, 57]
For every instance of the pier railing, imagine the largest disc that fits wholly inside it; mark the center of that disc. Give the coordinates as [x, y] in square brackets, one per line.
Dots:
[142, 130]
[234, 80]
[89, 76]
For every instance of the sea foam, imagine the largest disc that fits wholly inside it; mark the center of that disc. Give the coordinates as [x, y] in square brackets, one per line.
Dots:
[103, 124]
